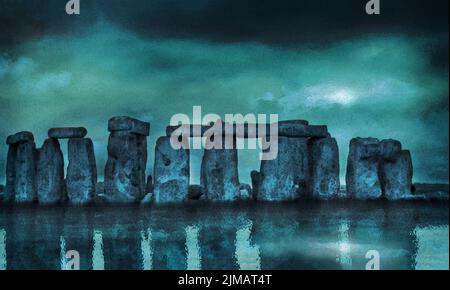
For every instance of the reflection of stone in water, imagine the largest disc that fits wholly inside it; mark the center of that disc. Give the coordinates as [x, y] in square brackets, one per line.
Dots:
[193, 257]
[62, 245]
[343, 256]
[247, 256]
[146, 250]
[2, 249]
[432, 253]
[98, 259]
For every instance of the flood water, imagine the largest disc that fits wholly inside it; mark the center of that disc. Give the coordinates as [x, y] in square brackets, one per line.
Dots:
[304, 235]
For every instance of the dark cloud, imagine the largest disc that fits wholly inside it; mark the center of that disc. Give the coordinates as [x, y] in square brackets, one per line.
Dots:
[270, 21]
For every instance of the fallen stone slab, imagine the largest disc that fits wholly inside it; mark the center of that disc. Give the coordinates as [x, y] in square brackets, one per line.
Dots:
[125, 178]
[324, 158]
[362, 178]
[219, 174]
[195, 192]
[286, 177]
[67, 132]
[50, 173]
[396, 176]
[20, 137]
[123, 123]
[171, 172]
[81, 177]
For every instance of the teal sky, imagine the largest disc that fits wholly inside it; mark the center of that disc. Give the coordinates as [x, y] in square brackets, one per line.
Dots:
[377, 84]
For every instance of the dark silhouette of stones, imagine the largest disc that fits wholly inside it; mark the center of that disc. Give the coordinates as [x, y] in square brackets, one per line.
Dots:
[171, 172]
[195, 192]
[81, 177]
[396, 176]
[363, 167]
[255, 183]
[20, 137]
[245, 192]
[21, 169]
[219, 174]
[285, 177]
[127, 158]
[67, 132]
[390, 149]
[324, 168]
[149, 184]
[100, 188]
[50, 173]
[123, 123]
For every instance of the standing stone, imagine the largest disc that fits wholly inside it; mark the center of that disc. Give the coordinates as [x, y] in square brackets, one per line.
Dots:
[81, 177]
[171, 172]
[21, 168]
[127, 158]
[255, 183]
[286, 177]
[219, 174]
[396, 176]
[50, 173]
[324, 168]
[362, 169]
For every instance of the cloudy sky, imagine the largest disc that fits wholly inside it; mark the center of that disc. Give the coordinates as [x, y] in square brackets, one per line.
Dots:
[383, 76]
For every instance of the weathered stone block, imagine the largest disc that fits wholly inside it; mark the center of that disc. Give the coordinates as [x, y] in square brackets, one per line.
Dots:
[171, 172]
[125, 168]
[390, 149]
[20, 137]
[67, 132]
[324, 168]
[396, 176]
[219, 174]
[21, 169]
[286, 177]
[50, 173]
[362, 169]
[81, 177]
[123, 123]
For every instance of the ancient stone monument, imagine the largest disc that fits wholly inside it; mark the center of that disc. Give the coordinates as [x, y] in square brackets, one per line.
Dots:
[378, 169]
[21, 168]
[306, 166]
[50, 173]
[219, 174]
[171, 172]
[125, 179]
[324, 158]
[81, 176]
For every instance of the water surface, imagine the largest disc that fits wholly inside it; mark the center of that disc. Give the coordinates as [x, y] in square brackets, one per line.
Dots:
[306, 235]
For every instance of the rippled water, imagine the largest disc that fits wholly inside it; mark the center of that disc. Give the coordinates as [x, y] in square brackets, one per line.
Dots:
[333, 235]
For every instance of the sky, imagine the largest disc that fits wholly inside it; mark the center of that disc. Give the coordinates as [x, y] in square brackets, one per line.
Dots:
[383, 76]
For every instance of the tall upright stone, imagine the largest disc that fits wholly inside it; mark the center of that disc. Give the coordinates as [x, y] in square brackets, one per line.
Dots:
[21, 168]
[81, 176]
[396, 176]
[324, 181]
[285, 177]
[362, 177]
[219, 174]
[50, 173]
[125, 178]
[171, 172]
